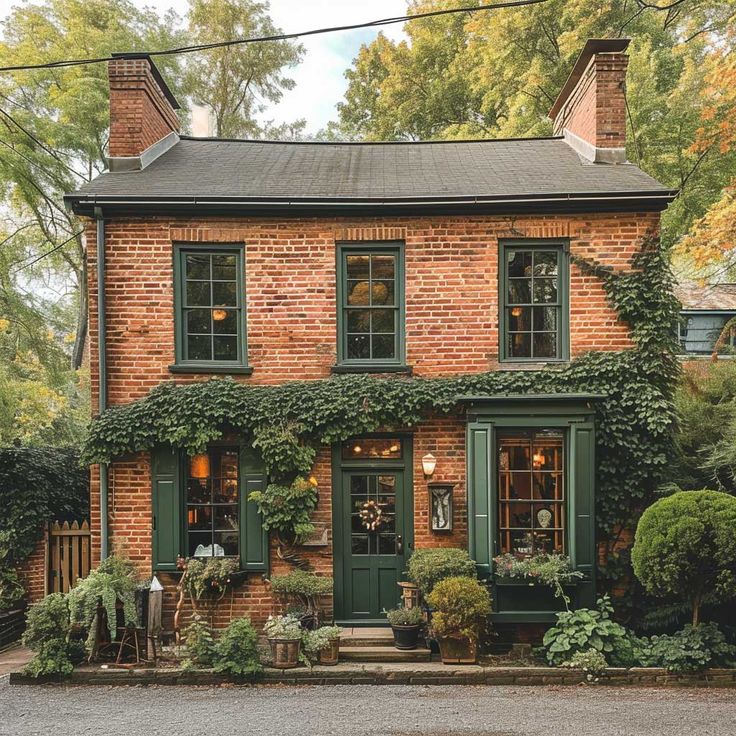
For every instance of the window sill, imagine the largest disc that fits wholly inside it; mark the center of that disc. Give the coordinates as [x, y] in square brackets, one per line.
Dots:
[521, 583]
[239, 370]
[531, 365]
[377, 368]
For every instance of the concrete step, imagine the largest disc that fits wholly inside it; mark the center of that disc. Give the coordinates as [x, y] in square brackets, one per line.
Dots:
[369, 636]
[382, 654]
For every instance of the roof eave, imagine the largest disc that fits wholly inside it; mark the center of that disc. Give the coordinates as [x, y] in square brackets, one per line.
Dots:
[652, 200]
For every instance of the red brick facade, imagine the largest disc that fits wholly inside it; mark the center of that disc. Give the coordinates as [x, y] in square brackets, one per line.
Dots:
[451, 328]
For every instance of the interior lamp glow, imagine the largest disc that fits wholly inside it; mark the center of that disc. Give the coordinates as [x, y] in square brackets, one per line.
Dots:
[199, 467]
[429, 462]
[219, 315]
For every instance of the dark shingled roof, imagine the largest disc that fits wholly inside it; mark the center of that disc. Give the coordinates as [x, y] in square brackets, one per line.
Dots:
[378, 174]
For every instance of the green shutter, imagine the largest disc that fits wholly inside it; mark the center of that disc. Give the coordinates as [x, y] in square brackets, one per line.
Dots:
[479, 496]
[253, 539]
[582, 509]
[165, 486]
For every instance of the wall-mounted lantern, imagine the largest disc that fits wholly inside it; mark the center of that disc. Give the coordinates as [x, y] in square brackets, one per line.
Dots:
[440, 507]
[429, 463]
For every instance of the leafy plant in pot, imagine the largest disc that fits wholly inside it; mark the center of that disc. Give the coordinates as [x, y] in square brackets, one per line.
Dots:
[406, 623]
[284, 634]
[461, 607]
[322, 645]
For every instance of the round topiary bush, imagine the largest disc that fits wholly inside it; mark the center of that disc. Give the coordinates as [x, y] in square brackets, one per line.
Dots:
[461, 606]
[428, 566]
[685, 547]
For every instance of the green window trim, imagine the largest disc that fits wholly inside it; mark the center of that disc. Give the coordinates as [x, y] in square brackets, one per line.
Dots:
[373, 341]
[183, 363]
[531, 306]
[169, 508]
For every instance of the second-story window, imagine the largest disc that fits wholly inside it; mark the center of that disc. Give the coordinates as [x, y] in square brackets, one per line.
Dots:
[210, 307]
[533, 302]
[371, 306]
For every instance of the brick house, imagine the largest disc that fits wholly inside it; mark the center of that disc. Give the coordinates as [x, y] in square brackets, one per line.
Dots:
[278, 261]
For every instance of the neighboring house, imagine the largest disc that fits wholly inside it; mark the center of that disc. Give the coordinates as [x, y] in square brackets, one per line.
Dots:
[705, 311]
[283, 261]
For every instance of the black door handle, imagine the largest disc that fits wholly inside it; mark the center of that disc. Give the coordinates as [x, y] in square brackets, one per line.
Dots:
[399, 545]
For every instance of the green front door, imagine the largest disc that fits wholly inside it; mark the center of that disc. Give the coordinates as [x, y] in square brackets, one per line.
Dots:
[374, 542]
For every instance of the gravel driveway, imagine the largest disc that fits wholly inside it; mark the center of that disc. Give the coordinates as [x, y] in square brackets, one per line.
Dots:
[350, 710]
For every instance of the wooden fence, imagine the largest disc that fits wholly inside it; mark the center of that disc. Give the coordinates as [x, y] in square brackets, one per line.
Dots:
[69, 555]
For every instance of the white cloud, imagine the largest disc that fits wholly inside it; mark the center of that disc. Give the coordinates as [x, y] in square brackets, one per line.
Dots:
[320, 83]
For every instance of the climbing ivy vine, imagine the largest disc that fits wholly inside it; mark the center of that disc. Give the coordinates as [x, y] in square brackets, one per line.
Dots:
[288, 423]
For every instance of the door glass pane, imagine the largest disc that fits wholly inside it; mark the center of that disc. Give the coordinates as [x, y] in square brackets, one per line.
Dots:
[372, 447]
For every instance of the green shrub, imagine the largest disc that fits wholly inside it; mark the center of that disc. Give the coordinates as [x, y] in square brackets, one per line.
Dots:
[685, 546]
[461, 605]
[304, 587]
[114, 580]
[11, 588]
[428, 566]
[286, 509]
[236, 650]
[591, 662]
[691, 649]
[47, 634]
[405, 616]
[314, 642]
[200, 644]
[208, 575]
[586, 629]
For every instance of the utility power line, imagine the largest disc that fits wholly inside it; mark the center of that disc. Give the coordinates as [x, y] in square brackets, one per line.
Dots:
[47, 253]
[279, 37]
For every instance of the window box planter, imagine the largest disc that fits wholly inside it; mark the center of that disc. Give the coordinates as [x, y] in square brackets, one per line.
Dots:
[517, 600]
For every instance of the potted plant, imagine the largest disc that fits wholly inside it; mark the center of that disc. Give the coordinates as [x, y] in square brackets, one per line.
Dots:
[461, 606]
[406, 623]
[284, 634]
[323, 645]
[306, 589]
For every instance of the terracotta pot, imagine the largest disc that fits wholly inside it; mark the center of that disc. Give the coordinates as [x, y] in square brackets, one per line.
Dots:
[406, 637]
[285, 653]
[330, 655]
[458, 650]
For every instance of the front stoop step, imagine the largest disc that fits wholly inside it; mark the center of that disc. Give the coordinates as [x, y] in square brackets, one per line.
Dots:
[383, 654]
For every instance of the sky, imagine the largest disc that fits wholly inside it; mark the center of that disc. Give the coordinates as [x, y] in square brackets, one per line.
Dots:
[320, 83]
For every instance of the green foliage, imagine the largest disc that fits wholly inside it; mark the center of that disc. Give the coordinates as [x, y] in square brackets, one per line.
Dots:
[685, 547]
[114, 580]
[236, 650]
[302, 584]
[692, 649]
[460, 607]
[283, 627]
[11, 588]
[586, 629]
[200, 644]
[405, 616]
[47, 634]
[548, 569]
[208, 575]
[428, 566]
[314, 642]
[286, 509]
[591, 662]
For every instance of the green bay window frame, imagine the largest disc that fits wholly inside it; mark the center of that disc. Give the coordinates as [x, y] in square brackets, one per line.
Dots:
[210, 309]
[371, 309]
[491, 418]
[534, 300]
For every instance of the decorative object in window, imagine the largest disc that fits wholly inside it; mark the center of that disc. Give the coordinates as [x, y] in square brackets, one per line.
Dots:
[440, 499]
[371, 321]
[534, 319]
[531, 488]
[372, 448]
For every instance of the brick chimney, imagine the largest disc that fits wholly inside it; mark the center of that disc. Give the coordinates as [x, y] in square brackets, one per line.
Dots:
[143, 119]
[590, 111]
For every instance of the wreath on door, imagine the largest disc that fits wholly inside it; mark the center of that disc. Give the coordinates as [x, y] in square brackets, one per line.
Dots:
[371, 516]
